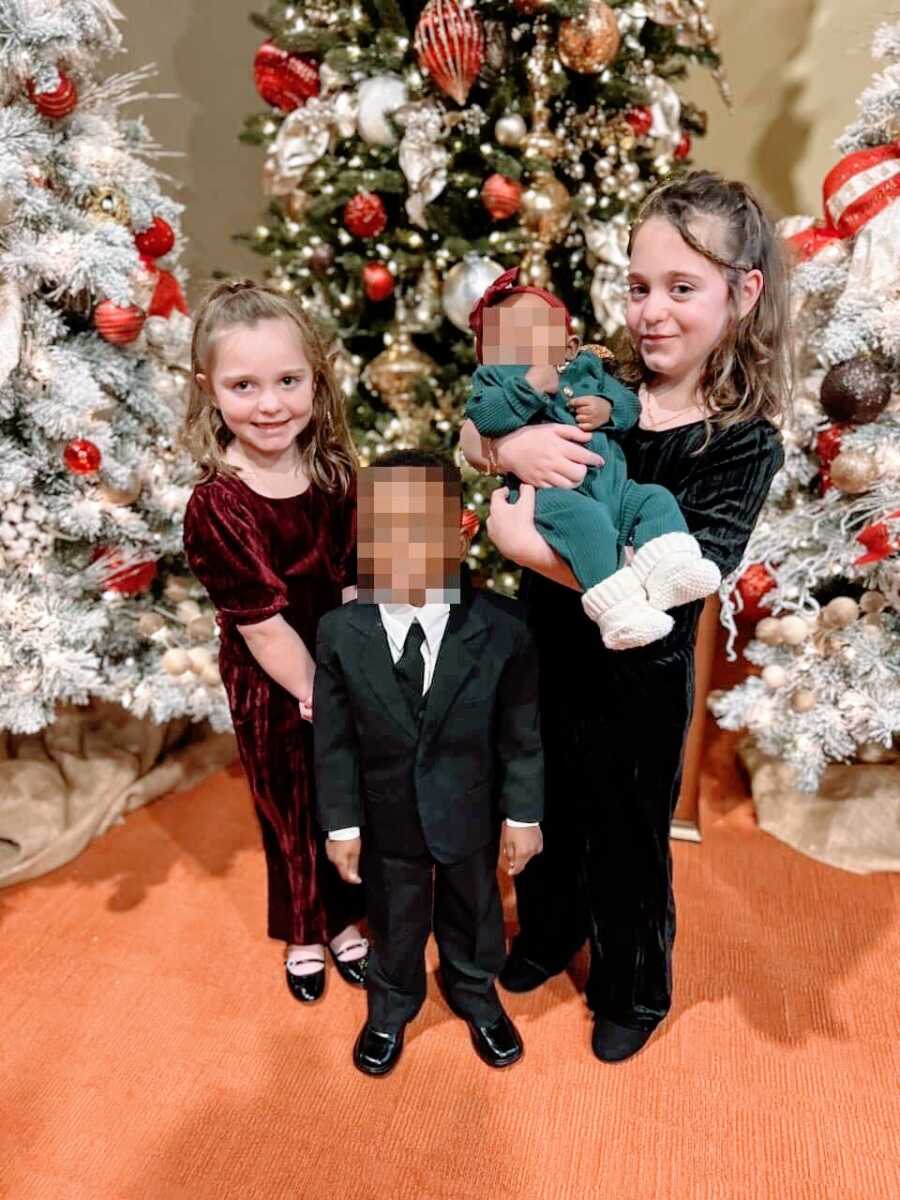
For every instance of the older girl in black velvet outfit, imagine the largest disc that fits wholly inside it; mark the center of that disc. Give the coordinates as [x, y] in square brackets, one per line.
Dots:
[707, 318]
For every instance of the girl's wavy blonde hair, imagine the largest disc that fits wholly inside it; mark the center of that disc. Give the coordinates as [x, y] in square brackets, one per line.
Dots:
[325, 446]
[748, 374]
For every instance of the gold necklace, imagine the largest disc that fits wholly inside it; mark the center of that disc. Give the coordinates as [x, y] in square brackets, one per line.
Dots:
[648, 401]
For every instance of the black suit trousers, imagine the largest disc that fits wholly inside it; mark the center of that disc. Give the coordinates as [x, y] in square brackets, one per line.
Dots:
[407, 897]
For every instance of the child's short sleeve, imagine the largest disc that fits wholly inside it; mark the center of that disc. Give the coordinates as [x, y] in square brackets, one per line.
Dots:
[227, 550]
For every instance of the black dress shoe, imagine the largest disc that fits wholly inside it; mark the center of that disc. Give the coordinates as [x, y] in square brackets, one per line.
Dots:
[615, 1043]
[306, 988]
[353, 972]
[376, 1052]
[521, 974]
[498, 1042]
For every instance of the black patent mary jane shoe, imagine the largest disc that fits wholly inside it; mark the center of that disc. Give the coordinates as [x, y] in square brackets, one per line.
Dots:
[496, 1043]
[306, 988]
[354, 970]
[377, 1052]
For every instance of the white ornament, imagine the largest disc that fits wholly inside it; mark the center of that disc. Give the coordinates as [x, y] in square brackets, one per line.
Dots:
[377, 98]
[510, 129]
[774, 676]
[423, 160]
[464, 284]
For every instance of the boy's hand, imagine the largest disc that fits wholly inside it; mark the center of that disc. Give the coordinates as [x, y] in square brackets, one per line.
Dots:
[518, 846]
[345, 856]
[591, 412]
[543, 378]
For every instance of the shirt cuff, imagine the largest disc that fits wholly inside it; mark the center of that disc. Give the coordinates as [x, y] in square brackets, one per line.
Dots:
[516, 824]
[344, 835]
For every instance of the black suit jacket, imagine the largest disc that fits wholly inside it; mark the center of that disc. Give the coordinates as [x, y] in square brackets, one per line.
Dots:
[476, 755]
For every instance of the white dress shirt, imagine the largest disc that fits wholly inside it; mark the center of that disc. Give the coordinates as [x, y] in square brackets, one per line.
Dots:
[397, 619]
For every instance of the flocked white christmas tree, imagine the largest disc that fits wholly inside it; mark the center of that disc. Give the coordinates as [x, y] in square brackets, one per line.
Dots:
[94, 342]
[823, 562]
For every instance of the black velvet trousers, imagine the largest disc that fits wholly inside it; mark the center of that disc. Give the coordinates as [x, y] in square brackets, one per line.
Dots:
[614, 727]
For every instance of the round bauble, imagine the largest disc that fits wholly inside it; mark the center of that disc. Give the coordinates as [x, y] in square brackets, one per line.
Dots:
[199, 658]
[118, 325]
[178, 587]
[187, 610]
[828, 443]
[774, 676]
[210, 675]
[377, 98]
[501, 196]
[176, 661]
[450, 45]
[59, 102]
[119, 575]
[840, 612]
[853, 471]
[857, 390]
[365, 215]
[150, 623]
[546, 207]
[157, 240]
[794, 630]
[202, 628]
[803, 700]
[683, 149]
[873, 602]
[529, 7]
[394, 373]
[377, 281]
[122, 496]
[590, 42]
[768, 631]
[283, 79]
[510, 129]
[321, 258]
[755, 582]
[464, 284]
[82, 457]
[640, 119]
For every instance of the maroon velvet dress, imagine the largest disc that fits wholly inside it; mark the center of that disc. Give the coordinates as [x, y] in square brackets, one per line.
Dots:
[256, 557]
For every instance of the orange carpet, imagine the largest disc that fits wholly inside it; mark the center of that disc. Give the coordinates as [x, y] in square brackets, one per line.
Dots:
[151, 1051]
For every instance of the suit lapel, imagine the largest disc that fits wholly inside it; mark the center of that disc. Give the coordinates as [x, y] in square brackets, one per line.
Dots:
[457, 660]
[378, 667]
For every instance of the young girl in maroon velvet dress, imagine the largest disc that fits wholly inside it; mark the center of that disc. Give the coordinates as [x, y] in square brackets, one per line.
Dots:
[270, 531]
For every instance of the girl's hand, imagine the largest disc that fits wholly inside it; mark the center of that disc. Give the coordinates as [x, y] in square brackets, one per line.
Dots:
[511, 526]
[305, 700]
[547, 455]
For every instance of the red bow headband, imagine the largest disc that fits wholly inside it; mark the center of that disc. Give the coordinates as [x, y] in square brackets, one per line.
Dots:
[505, 285]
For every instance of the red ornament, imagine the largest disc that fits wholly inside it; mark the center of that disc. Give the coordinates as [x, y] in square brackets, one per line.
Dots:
[828, 444]
[378, 282]
[683, 149]
[501, 196]
[157, 240]
[82, 457]
[755, 582]
[449, 43]
[640, 119]
[118, 325]
[877, 540]
[58, 103]
[127, 578]
[167, 296]
[365, 215]
[284, 79]
[469, 522]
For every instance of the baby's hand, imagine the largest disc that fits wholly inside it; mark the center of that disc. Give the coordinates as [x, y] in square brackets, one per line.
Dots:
[543, 378]
[591, 412]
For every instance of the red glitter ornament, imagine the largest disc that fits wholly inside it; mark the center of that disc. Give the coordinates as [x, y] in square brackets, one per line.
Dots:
[167, 296]
[378, 282]
[755, 583]
[284, 79]
[469, 522]
[640, 119]
[828, 444]
[365, 215]
[118, 325]
[683, 149]
[449, 43]
[157, 240]
[121, 575]
[58, 103]
[82, 457]
[501, 196]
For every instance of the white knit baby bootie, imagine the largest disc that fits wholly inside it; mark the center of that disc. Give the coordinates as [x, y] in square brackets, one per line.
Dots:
[673, 570]
[619, 606]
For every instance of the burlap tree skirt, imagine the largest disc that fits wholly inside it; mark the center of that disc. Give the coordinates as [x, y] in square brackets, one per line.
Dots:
[853, 821]
[66, 785]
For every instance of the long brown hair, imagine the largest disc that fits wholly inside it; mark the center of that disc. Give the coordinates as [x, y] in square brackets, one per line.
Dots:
[748, 374]
[325, 446]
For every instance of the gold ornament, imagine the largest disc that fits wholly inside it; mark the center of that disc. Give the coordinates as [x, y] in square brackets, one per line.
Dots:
[296, 204]
[534, 270]
[794, 630]
[803, 700]
[109, 204]
[840, 612]
[590, 42]
[150, 623]
[768, 631]
[774, 676]
[546, 207]
[202, 628]
[176, 661]
[854, 471]
[426, 312]
[540, 141]
[123, 495]
[394, 373]
[873, 602]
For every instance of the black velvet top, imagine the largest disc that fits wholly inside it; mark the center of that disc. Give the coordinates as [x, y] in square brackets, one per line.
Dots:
[720, 490]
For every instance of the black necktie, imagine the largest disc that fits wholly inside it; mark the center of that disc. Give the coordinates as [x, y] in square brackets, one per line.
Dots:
[410, 669]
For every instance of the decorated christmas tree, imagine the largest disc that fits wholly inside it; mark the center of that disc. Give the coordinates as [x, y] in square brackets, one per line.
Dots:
[822, 573]
[417, 150]
[94, 341]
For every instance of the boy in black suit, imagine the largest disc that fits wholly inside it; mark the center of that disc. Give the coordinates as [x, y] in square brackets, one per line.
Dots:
[426, 739]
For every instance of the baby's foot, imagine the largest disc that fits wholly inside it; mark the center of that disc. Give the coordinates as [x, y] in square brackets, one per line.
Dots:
[673, 571]
[620, 608]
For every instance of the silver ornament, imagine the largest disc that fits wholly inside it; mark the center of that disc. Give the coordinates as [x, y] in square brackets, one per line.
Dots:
[602, 168]
[510, 129]
[377, 98]
[464, 284]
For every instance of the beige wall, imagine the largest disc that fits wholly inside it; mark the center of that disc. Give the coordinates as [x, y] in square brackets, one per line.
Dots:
[795, 67]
